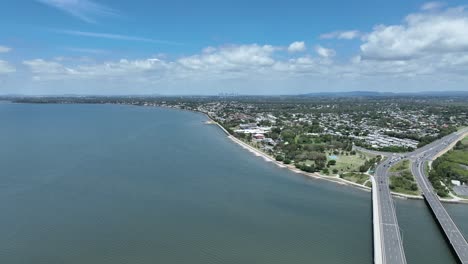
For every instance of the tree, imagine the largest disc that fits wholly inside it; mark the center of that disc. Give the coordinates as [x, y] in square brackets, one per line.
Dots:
[320, 164]
[335, 171]
[331, 163]
[363, 168]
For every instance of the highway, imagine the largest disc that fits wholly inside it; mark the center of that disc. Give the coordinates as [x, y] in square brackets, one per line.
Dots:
[391, 244]
[392, 250]
[419, 160]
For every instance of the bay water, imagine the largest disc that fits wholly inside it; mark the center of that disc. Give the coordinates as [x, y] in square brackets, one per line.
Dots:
[125, 184]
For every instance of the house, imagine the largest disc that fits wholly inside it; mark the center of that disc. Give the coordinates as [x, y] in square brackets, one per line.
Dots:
[259, 136]
[269, 141]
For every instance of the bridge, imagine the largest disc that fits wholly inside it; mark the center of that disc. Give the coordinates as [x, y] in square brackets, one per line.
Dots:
[388, 245]
[454, 236]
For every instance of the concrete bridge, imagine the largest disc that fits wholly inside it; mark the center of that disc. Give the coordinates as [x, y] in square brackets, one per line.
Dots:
[388, 245]
[453, 235]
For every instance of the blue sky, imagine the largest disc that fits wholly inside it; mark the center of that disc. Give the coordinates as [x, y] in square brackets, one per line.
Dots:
[246, 47]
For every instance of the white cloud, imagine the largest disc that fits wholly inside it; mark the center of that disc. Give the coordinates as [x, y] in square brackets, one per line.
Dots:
[432, 6]
[231, 58]
[47, 68]
[53, 70]
[5, 67]
[297, 46]
[244, 62]
[421, 34]
[4, 49]
[86, 10]
[428, 51]
[241, 62]
[246, 69]
[324, 52]
[350, 34]
[114, 36]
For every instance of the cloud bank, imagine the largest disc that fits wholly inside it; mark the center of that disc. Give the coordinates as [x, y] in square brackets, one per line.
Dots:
[428, 50]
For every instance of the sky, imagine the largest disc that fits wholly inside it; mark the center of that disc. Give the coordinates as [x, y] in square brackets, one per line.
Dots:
[207, 47]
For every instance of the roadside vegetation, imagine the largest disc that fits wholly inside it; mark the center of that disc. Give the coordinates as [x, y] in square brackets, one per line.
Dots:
[400, 166]
[402, 180]
[359, 178]
[453, 165]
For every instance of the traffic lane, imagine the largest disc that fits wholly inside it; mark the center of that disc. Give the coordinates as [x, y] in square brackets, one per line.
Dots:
[452, 232]
[392, 244]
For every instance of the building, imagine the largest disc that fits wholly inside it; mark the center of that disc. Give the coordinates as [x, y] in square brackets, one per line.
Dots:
[259, 136]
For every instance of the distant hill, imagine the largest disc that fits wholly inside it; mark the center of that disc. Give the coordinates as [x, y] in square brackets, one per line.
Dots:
[382, 94]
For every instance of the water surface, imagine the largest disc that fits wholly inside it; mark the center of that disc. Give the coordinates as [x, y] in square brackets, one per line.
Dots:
[120, 184]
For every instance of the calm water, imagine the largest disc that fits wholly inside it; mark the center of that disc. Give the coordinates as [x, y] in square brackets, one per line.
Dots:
[118, 184]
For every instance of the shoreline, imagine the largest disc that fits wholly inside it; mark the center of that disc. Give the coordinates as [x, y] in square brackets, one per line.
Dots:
[257, 152]
[335, 179]
[268, 158]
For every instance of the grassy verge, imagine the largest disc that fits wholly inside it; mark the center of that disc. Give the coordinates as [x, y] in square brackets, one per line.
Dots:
[402, 180]
[358, 178]
[400, 166]
[450, 166]
[404, 184]
[465, 141]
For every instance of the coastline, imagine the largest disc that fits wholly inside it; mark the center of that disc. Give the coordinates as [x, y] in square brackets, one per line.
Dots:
[268, 158]
[335, 179]
[315, 175]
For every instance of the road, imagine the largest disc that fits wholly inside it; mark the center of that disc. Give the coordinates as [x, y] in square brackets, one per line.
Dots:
[419, 160]
[391, 242]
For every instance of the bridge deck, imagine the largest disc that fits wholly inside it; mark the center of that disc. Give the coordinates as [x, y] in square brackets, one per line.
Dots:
[392, 245]
[453, 234]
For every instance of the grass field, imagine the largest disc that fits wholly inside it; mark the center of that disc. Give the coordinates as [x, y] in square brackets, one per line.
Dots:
[358, 178]
[400, 185]
[402, 165]
[457, 157]
[350, 163]
[465, 141]
[402, 180]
